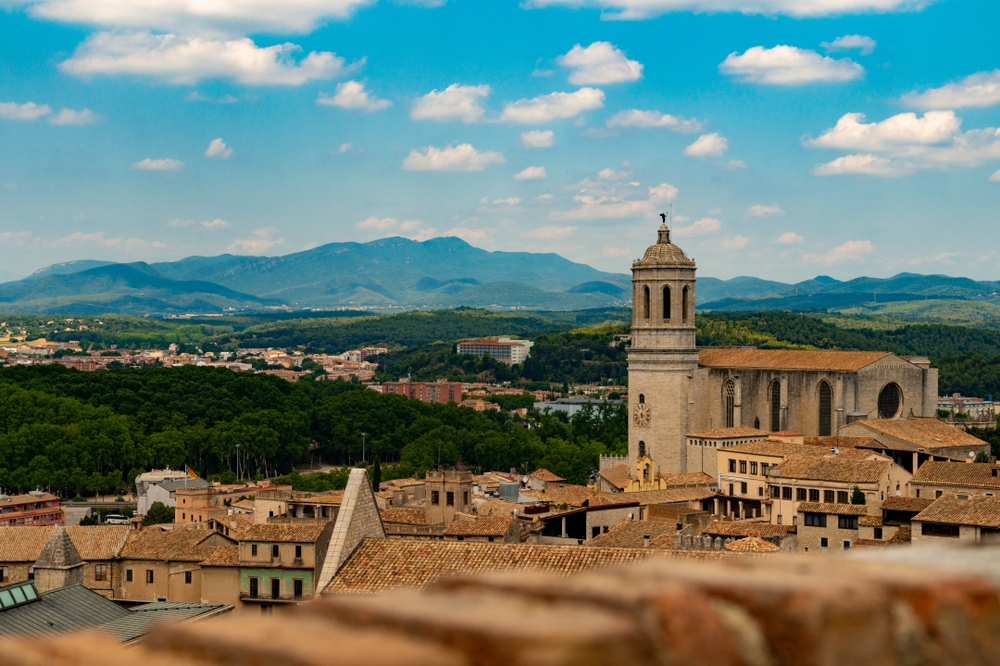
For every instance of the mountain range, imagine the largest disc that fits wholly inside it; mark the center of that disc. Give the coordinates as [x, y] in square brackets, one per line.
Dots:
[437, 273]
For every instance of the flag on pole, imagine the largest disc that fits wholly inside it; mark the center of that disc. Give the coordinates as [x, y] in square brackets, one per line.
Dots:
[189, 473]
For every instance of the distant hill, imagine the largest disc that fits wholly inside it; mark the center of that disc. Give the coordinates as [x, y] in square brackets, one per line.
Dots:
[7, 276]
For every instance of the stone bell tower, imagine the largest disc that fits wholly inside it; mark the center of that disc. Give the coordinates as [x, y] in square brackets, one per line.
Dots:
[663, 357]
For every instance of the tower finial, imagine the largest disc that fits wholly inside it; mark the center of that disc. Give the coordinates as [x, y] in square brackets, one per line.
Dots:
[663, 235]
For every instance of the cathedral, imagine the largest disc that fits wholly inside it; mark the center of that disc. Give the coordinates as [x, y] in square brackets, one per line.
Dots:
[675, 388]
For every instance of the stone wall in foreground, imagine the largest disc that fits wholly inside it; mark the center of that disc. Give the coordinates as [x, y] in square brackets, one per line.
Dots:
[794, 610]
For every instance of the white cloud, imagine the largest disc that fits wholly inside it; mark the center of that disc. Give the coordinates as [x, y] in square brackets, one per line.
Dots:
[977, 90]
[544, 197]
[462, 157]
[352, 95]
[733, 243]
[788, 66]
[470, 235]
[225, 16]
[27, 111]
[216, 224]
[849, 251]
[180, 224]
[344, 147]
[546, 108]
[537, 139]
[735, 164]
[637, 118]
[164, 164]
[187, 60]
[702, 227]
[375, 223]
[610, 251]
[409, 225]
[613, 206]
[633, 10]
[708, 145]
[870, 165]
[904, 129]
[14, 238]
[423, 234]
[862, 43]
[98, 238]
[532, 173]
[510, 201]
[995, 178]
[611, 174]
[194, 96]
[943, 257]
[260, 240]
[789, 238]
[456, 102]
[762, 211]
[73, 117]
[547, 233]
[217, 149]
[213, 224]
[599, 63]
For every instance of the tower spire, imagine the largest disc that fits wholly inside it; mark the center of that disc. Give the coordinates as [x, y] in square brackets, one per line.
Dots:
[663, 236]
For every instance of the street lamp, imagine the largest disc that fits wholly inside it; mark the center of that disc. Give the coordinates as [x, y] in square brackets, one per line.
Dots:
[363, 436]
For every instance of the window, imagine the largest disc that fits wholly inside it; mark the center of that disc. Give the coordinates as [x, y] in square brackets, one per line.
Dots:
[435, 497]
[743, 467]
[815, 520]
[753, 467]
[149, 576]
[828, 496]
[888, 402]
[775, 492]
[274, 551]
[760, 491]
[800, 494]
[645, 303]
[642, 449]
[936, 529]
[187, 577]
[3, 574]
[297, 588]
[878, 532]
[847, 522]
[684, 303]
[298, 552]
[775, 406]
[743, 488]
[825, 410]
[253, 550]
[763, 468]
[937, 493]
[731, 489]
[756, 423]
[31, 573]
[128, 575]
[642, 399]
[465, 497]
[813, 495]
[275, 588]
[847, 545]
[786, 493]
[183, 516]
[254, 591]
[666, 304]
[100, 572]
[729, 401]
[732, 465]
[824, 542]
[842, 497]
[450, 498]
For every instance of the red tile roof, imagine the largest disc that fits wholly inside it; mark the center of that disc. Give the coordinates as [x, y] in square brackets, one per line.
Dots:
[727, 528]
[283, 533]
[752, 545]
[834, 469]
[545, 475]
[787, 359]
[922, 433]
[631, 534]
[404, 516]
[93, 542]
[617, 476]
[834, 509]
[915, 504]
[729, 433]
[486, 526]
[181, 544]
[977, 510]
[981, 475]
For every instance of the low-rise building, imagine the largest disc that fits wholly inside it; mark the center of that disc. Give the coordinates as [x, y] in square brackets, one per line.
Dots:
[703, 447]
[434, 392]
[32, 508]
[503, 530]
[963, 516]
[897, 514]
[934, 479]
[159, 564]
[98, 546]
[506, 350]
[823, 528]
[912, 442]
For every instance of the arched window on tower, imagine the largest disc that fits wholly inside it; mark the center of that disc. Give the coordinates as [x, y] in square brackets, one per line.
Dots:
[729, 400]
[825, 410]
[642, 449]
[645, 303]
[642, 399]
[756, 423]
[684, 304]
[775, 406]
[666, 304]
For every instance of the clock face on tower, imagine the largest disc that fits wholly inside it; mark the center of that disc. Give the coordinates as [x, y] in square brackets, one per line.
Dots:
[641, 415]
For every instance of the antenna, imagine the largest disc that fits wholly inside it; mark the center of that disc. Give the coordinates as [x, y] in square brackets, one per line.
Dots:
[671, 217]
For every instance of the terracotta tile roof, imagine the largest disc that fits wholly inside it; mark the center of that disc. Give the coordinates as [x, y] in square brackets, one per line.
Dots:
[752, 544]
[868, 543]
[182, 544]
[837, 442]
[663, 542]
[922, 433]
[29, 498]
[771, 447]
[787, 359]
[400, 483]
[686, 479]
[958, 474]
[870, 521]
[617, 476]
[545, 475]
[729, 433]
[493, 508]
[902, 536]
[234, 522]
[647, 497]
[631, 534]
[382, 564]
[571, 495]
[978, 510]
[915, 504]
[732, 528]
[283, 533]
[834, 509]
[486, 526]
[404, 516]
[834, 469]
[223, 556]
[246, 504]
[93, 542]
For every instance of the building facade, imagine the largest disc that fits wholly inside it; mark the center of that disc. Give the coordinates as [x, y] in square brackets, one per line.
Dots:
[505, 350]
[435, 392]
[33, 508]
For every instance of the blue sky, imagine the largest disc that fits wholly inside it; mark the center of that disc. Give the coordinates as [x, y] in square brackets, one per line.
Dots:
[157, 129]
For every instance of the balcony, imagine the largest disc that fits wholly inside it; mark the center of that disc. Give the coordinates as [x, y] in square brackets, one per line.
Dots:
[268, 599]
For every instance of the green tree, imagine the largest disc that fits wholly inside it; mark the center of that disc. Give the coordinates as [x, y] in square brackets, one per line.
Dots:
[88, 520]
[981, 457]
[158, 513]
[857, 497]
[376, 473]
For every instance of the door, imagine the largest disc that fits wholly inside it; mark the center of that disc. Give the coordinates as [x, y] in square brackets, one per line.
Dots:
[253, 588]
[275, 588]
